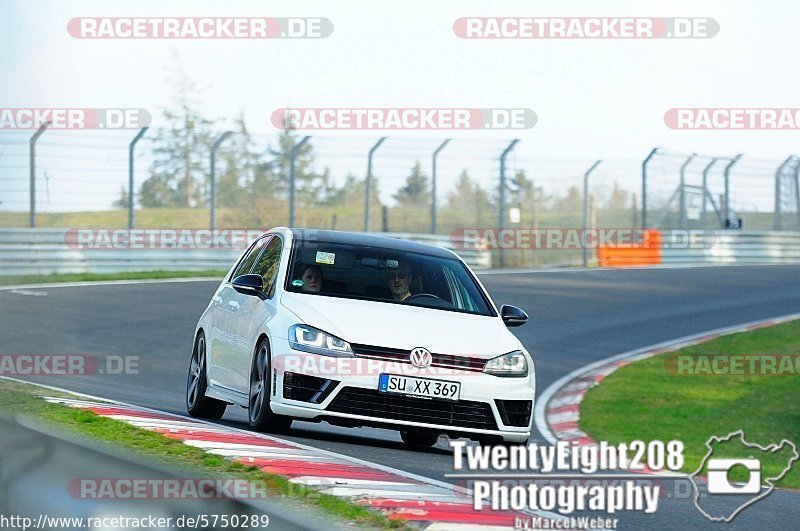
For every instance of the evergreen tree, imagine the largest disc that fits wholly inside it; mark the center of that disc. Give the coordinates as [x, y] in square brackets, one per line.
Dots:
[416, 191]
[352, 193]
[179, 171]
[245, 177]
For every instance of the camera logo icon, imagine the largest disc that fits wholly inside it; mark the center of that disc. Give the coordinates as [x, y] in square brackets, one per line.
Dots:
[738, 474]
[719, 481]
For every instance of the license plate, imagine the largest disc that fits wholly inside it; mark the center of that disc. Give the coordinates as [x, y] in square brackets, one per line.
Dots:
[420, 387]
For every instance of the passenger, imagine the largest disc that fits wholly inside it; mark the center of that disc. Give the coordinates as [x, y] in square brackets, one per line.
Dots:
[311, 276]
[399, 281]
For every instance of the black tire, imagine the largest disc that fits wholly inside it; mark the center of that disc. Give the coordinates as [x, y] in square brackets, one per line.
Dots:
[197, 403]
[259, 412]
[419, 438]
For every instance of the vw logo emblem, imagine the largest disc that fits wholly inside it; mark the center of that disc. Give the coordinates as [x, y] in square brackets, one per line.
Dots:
[420, 357]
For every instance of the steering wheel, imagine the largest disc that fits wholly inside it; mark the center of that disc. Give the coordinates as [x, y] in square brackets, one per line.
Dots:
[420, 295]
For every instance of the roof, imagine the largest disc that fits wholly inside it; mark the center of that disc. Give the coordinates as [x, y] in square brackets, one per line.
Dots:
[369, 240]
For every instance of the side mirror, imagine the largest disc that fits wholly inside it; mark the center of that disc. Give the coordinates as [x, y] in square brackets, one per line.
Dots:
[248, 284]
[513, 316]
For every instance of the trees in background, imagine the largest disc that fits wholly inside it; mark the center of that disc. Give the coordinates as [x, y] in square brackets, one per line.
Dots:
[416, 191]
[250, 174]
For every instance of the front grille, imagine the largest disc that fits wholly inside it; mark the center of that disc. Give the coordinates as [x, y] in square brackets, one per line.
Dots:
[514, 412]
[438, 360]
[307, 388]
[371, 403]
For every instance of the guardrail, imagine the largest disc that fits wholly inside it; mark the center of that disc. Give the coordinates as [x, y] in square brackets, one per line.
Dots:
[714, 247]
[39, 470]
[46, 251]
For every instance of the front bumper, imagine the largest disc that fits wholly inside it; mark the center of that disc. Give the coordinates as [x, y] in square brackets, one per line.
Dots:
[489, 406]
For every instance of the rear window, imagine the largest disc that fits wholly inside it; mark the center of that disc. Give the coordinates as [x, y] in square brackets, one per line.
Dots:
[384, 275]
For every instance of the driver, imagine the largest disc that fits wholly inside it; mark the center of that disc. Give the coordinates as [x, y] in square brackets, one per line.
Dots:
[399, 281]
[311, 276]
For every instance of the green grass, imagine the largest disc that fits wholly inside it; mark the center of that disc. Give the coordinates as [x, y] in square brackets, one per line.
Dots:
[414, 219]
[646, 401]
[14, 280]
[24, 399]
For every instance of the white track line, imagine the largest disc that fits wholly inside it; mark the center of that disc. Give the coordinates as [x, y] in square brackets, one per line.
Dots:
[110, 283]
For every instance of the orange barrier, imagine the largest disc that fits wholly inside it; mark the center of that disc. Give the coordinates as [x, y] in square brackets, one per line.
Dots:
[648, 252]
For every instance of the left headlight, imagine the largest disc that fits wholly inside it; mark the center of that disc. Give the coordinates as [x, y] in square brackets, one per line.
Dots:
[513, 364]
[309, 339]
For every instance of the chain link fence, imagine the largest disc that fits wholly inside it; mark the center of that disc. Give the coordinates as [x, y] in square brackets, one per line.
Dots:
[94, 179]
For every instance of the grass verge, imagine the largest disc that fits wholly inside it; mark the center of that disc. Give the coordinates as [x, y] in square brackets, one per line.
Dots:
[25, 399]
[647, 400]
[15, 280]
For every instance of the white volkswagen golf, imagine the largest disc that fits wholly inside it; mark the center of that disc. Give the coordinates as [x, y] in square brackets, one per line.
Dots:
[361, 330]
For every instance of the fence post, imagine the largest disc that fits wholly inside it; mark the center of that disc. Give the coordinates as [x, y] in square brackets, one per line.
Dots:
[586, 210]
[797, 192]
[733, 161]
[368, 184]
[131, 148]
[777, 222]
[433, 185]
[34, 138]
[705, 191]
[502, 198]
[644, 186]
[292, 183]
[682, 195]
[214, 148]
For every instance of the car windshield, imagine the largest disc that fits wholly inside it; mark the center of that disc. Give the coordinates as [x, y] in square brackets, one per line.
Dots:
[384, 275]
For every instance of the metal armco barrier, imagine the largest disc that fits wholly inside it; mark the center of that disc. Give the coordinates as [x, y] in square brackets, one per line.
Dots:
[714, 247]
[39, 472]
[46, 251]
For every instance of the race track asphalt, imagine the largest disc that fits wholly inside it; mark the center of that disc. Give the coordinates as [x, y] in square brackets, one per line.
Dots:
[577, 316]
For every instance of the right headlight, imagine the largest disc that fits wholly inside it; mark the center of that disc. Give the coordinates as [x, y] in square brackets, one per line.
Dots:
[310, 339]
[513, 364]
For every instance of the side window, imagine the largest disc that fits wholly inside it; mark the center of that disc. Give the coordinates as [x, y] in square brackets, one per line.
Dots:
[268, 264]
[249, 259]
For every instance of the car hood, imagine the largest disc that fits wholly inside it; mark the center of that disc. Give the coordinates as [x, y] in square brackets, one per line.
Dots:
[403, 326]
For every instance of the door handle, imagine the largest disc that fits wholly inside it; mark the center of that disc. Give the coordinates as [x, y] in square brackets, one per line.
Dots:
[233, 304]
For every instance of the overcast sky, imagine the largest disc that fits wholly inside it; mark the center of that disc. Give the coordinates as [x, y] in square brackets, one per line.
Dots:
[595, 99]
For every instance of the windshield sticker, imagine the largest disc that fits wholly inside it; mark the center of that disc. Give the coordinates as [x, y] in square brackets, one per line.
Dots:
[325, 258]
[297, 283]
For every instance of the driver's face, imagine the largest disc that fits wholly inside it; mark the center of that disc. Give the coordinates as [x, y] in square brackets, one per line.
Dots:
[399, 281]
[312, 280]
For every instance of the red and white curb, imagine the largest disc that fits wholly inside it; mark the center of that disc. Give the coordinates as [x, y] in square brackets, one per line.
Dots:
[557, 412]
[421, 502]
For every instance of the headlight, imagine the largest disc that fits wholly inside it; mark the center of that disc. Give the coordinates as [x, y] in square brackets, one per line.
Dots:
[308, 339]
[511, 364]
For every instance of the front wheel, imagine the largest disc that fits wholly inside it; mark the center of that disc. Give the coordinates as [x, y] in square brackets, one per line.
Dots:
[197, 403]
[259, 412]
